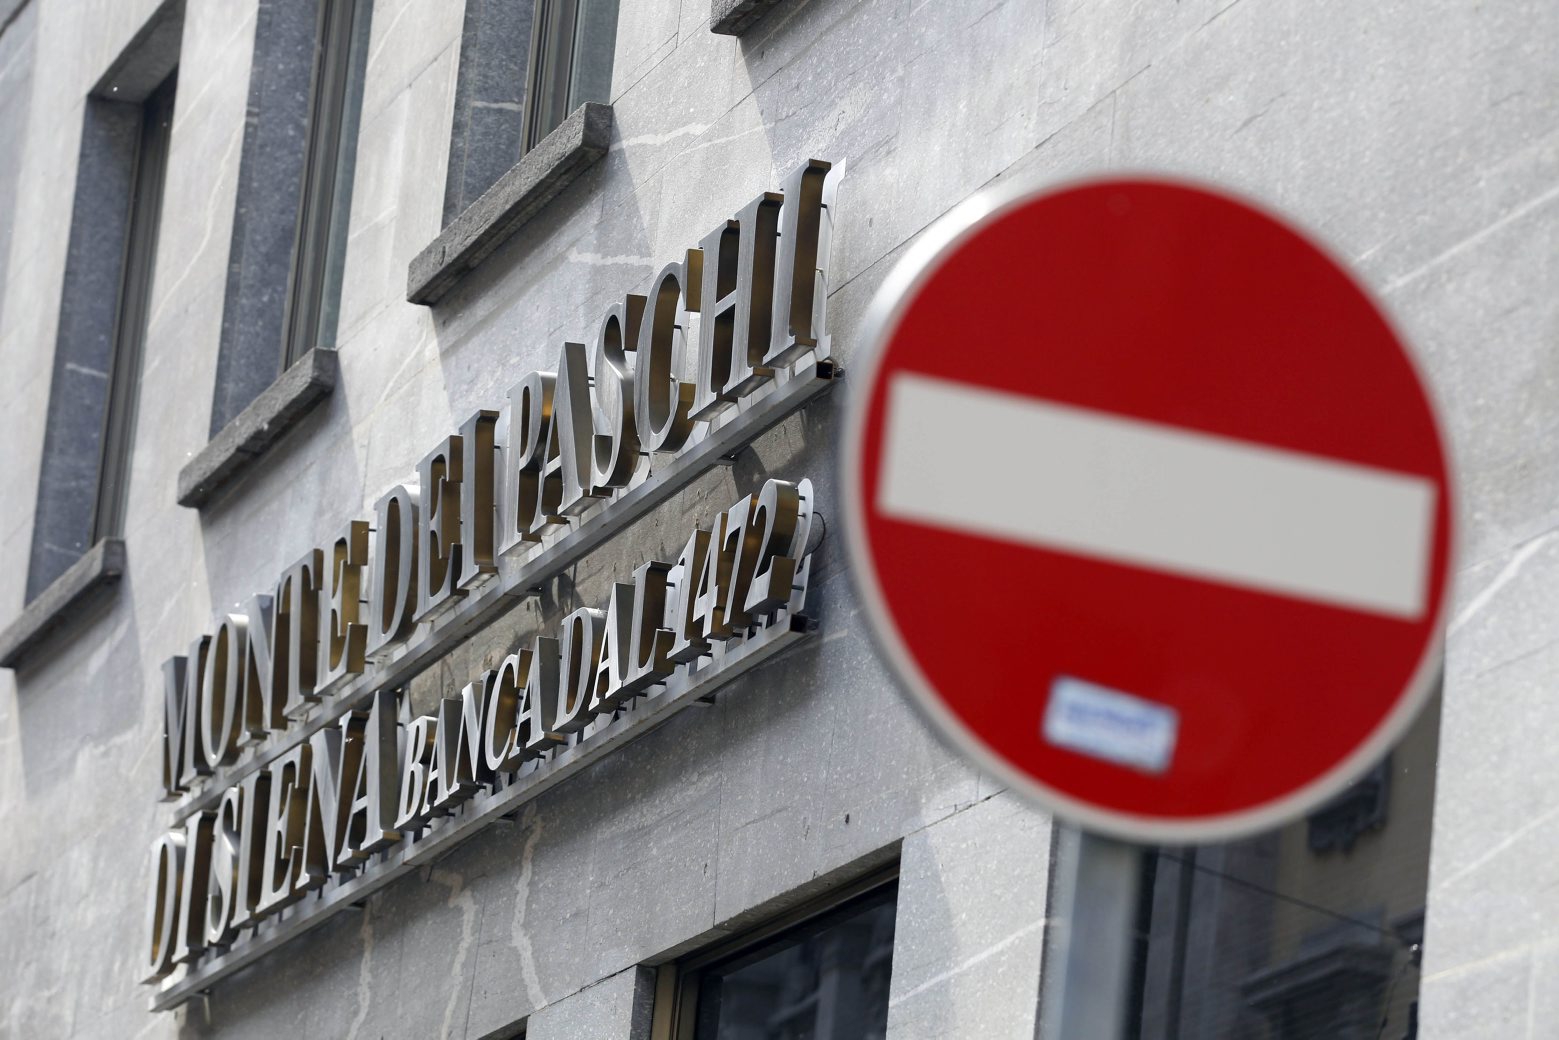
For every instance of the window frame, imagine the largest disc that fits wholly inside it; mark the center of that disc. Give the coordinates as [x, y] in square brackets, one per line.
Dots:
[552, 53]
[562, 31]
[677, 982]
[133, 309]
[497, 180]
[276, 358]
[77, 552]
[335, 110]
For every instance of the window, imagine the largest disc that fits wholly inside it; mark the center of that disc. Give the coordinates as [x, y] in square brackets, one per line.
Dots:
[336, 90]
[1313, 931]
[525, 66]
[571, 61]
[294, 199]
[135, 290]
[531, 71]
[97, 369]
[821, 974]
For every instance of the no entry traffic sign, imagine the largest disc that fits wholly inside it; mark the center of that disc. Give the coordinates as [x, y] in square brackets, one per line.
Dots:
[1148, 505]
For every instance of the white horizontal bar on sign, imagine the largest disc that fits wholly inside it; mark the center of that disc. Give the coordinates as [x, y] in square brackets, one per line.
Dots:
[1124, 490]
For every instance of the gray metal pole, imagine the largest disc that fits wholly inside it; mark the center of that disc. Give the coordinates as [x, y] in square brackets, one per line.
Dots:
[1087, 972]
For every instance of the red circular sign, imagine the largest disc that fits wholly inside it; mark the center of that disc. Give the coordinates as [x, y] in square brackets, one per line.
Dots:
[1149, 506]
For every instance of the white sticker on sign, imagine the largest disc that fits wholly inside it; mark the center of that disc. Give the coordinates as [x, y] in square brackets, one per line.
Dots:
[1108, 724]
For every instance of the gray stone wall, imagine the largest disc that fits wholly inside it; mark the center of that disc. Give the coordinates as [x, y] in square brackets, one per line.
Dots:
[1420, 141]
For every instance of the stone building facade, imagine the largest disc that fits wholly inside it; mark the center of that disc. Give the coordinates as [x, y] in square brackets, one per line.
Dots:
[260, 260]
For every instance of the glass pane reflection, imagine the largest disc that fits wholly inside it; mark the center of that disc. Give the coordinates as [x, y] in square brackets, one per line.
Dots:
[1313, 931]
[825, 980]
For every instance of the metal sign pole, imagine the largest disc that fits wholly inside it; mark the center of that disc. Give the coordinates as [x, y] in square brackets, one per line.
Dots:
[1085, 995]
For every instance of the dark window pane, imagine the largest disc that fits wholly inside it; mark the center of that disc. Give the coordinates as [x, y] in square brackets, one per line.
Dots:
[825, 980]
[336, 89]
[104, 307]
[134, 303]
[570, 62]
[1309, 932]
[552, 40]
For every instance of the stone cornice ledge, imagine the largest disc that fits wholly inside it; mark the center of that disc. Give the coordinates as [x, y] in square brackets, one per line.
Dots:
[513, 199]
[242, 441]
[69, 596]
[734, 17]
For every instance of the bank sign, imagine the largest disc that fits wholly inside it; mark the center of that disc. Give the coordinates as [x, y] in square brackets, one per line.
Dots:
[301, 778]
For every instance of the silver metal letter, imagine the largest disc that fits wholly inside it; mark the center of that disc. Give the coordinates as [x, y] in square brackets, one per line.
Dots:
[462, 766]
[649, 660]
[801, 278]
[297, 625]
[343, 638]
[370, 818]
[221, 691]
[438, 558]
[581, 657]
[222, 889]
[616, 453]
[264, 682]
[284, 822]
[529, 495]
[574, 427]
[191, 938]
[660, 398]
[537, 729]
[394, 596]
[162, 904]
[478, 502]
[735, 305]
[416, 773]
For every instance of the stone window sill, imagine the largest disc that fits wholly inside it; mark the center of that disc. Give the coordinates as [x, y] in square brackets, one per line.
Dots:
[71, 596]
[735, 17]
[241, 442]
[513, 199]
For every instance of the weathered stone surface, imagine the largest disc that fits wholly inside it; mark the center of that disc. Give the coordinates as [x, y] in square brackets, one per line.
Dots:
[485, 140]
[148, 58]
[233, 450]
[616, 1008]
[9, 11]
[79, 589]
[1418, 141]
[734, 17]
[971, 924]
[556, 161]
